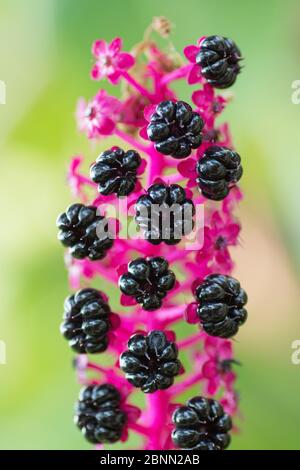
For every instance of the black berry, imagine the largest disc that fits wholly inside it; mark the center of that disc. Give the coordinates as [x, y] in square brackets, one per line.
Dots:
[84, 232]
[165, 214]
[201, 425]
[98, 414]
[218, 171]
[86, 321]
[175, 129]
[148, 280]
[115, 171]
[219, 60]
[221, 305]
[151, 361]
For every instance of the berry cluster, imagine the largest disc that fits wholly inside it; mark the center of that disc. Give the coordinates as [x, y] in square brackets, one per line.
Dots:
[86, 321]
[201, 425]
[175, 129]
[151, 361]
[156, 197]
[98, 414]
[221, 305]
[115, 171]
[148, 281]
[78, 230]
[219, 60]
[218, 171]
[165, 214]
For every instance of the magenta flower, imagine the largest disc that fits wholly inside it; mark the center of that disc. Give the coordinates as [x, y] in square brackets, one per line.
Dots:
[191, 53]
[216, 361]
[111, 62]
[219, 235]
[132, 111]
[98, 117]
[209, 105]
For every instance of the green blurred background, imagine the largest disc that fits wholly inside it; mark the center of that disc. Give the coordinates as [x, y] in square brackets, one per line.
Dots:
[45, 63]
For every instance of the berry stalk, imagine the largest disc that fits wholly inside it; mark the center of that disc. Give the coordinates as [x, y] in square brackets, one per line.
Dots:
[174, 267]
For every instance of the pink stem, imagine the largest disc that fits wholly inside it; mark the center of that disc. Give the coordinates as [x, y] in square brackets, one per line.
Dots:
[157, 404]
[138, 428]
[177, 74]
[157, 163]
[190, 340]
[108, 274]
[188, 382]
[142, 90]
[84, 180]
[169, 313]
[97, 367]
[132, 141]
[174, 178]
[176, 256]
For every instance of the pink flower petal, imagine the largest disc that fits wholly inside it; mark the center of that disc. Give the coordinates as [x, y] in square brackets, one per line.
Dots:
[192, 183]
[124, 435]
[133, 413]
[209, 369]
[189, 193]
[148, 111]
[75, 164]
[138, 186]
[200, 40]
[223, 258]
[114, 321]
[198, 98]
[211, 346]
[99, 47]
[127, 301]
[191, 52]
[96, 73]
[216, 221]
[194, 75]
[114, 77]
[125, 60]
[187, 168]
[213, 386]
[142, 166]
[121, 269]
[115, 46]
[143, 133]
[191, 313]
[233, 233]
[170, 335]
[107, 126]
[225, 350]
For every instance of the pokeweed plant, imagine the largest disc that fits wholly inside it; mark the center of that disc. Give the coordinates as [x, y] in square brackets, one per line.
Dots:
[172, 157]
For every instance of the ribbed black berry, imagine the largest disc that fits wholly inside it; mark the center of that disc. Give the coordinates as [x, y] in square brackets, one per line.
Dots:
[116, 171]
[218, 171]
[154, 216]
[84, 232]
[175, 129]
[219, 60]
[201, 425]
[221, 305]
[86, 321]
[98, 414]
[151, 361]
[148, 280]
